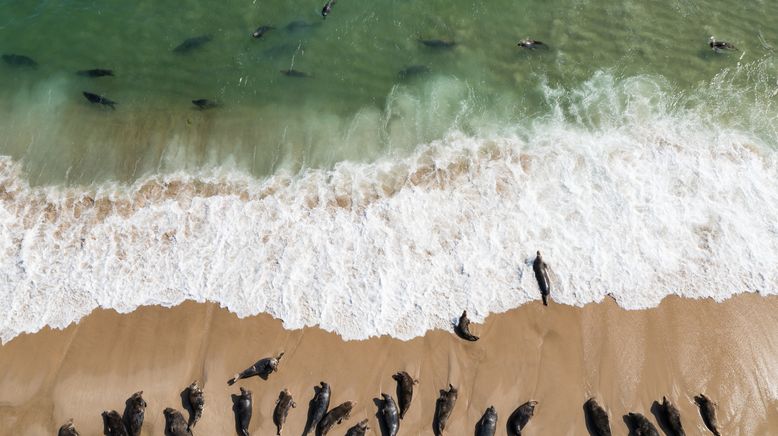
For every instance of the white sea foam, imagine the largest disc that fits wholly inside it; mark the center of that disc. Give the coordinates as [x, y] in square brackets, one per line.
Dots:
[627, 191]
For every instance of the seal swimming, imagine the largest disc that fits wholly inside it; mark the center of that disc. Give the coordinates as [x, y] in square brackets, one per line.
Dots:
[437, 43]
[531, 44]
[541, 275]
[327, 9]
[720, 46]
[443, 408]
[113, 424]
[204, 103]
[404, 391]
[16, 60]
[134, 413]
[175, 424]
[389, 415]
[359, 429]
[196, 402]
[99, 99]
[520, 417]
[263, 368]
[283, 404]
[334, 416]
[296, 74]
[261, 31]
[597, 418]
[462, 328]
[243, 411]
[672, 417]
[318, 406]
[641, 426]
[487, 425]
[68, 429]
[97, 72]
[708, 412]
[191, 44]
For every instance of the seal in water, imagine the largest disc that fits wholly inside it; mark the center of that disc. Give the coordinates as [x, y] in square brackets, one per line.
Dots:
[359, 429]
[319, 405]
[597, 417]
[113, 424]
[541, 275]
[99, 99]
[263, 368]
[175, 425]
[16, 60]
[443, 408]
[708, 412]
[68, 429]
[520, 417]
[334, 416]
[487, 425]
[133, 414]
[404, 391]
[438, 43]
[720, 46]
[641, 426]
[190, 44]
[389, 415]
[327, 9]
[243, 411]
[462, 328]
[204, 103]
[283, 404]
[97, 72]
[261, 31]
[672, 417]
[531, 43]
[196, 401]
[296, 74]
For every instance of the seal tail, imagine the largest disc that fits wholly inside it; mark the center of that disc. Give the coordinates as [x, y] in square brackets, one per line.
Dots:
[233, 380]
[545, 299]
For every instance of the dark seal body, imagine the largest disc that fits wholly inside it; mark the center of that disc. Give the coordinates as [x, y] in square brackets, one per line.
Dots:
[175, 425]
[97, 72]
[68, 429]
[261, 31]
[334, 416]
[672, 417]
[443, 408]
[133, 415]
[520, 417]
[359, 429]
[404, 391]
[708, 412]
[190, 44]
[283, 404]
[16, 60]
[390, 415]
[541, 275]
[531, 44]
[327, 9]
[598, 418]
[641, 426]
[99, 99]
[319, 406]
[487, 425]
[438, 43]
[196, 401]
[296, 74]
[463, 328]
[243, 411]
[113, 424]
[204, 103]
[263, 368]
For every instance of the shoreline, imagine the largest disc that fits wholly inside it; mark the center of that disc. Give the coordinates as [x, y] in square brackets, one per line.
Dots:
[558, 355]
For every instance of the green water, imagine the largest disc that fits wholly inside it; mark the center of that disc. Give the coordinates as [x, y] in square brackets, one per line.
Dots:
[355, 106]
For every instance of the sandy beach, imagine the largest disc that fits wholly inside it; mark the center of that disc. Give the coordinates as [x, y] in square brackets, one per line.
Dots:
[558, 355]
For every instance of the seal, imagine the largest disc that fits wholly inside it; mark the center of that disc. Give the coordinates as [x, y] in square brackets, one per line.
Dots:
[334, 416]
[462, 328]
[404, 391]
[359, 429]
[443, 408]
[97, 72]
[720, 46]
[283, 404]
[191, 44]
[708, 412]
[438, 43]
[531, 44]
[487, 425]
[99, 99]
[261, 31]
[296, 74]
[133, 413]
[671, 416]
[389, 415]
[541, 275]
[263, 368]
[68, 429]
[204, 103]
[520, 417]
[113, 424]
[597, 418]
[318, 406]
[327, 9]
[196, 402]
[243, 411]
[640, 425]
[16, 60]
[175, 424]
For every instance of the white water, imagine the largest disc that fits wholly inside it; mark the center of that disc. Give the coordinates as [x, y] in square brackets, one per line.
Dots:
[625, 189]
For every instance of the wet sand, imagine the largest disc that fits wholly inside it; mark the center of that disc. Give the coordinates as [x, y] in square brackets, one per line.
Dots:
[558, 356]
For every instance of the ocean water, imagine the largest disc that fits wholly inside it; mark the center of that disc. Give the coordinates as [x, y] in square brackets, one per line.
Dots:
[368, 201]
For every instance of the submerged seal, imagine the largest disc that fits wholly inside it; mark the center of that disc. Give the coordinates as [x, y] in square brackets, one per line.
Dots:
[261, 31]
[204, 103]
[672, 417]
[99, 99]
[359, 429]
[68, 429]
[134, 413]
[720, 46]
[404, 391]
[487, 425]
[531, 43]
[541, 275]
[641, 426]
[263, 368]
[190, 44]
[597, 417]
[334, 416]
[462, 328]
[196, 402]
[438, 43]
[283, 404]
[390, 415]
[97, 72]
[113, 424]
[520, 417]
[708, 412]
[243, 411]
[175, 425]
[16, 60]
[443, 408]
[318, 406]
[296, 74]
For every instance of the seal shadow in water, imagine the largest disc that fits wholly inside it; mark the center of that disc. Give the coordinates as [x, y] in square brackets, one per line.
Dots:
[187, 405]
[656, 410]
[379, 402]
[311, 411]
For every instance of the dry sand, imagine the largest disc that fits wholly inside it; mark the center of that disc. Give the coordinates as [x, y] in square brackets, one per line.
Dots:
[557, 355]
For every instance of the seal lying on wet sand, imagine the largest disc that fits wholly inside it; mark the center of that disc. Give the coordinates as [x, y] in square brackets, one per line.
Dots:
[68, 429]
[113, 424]
[283, 404]
[520, 417]
[334, 416]
[462, 328]
[404, 391]
[359, 429]
[318, 407]
[541, 275]
[672, 417]
[641, 426]
[487, 425]
[175, 425]
[243, 411]
[708, 412]
[597, 417]
[389, 415]
[443, 408]
[133, 415]
[263, 368]
[196, 401]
